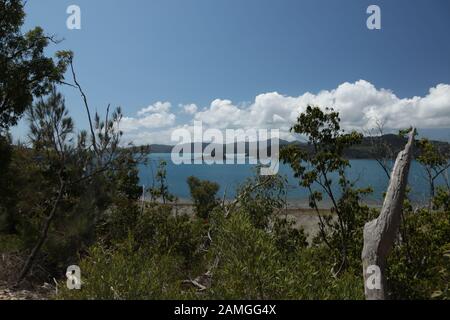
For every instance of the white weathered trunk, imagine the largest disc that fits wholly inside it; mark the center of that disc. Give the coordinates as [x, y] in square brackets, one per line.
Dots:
[380, 234]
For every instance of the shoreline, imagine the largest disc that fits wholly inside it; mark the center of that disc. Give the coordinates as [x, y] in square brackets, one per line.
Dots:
[302, 204]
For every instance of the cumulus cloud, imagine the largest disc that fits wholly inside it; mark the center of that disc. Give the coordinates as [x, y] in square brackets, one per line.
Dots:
[145, 137]
[360, 105]
[152, 117]
[158, 107]
[223, 114]
[189, 108]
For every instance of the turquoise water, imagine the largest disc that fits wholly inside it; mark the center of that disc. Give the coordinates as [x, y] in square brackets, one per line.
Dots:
[364, 172]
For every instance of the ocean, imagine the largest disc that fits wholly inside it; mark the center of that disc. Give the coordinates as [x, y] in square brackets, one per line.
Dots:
[365, 173]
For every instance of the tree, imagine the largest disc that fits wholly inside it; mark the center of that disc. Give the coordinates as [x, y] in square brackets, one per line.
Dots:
[315, 168]
[127, 179]
[25, 71]
[381, 149]
[204, 194]
[435, 164]
[161, 190]
[76, 177]
[51, 133]
[264, 202]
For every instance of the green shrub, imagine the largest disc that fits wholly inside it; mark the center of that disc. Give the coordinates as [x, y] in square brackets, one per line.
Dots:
[262, 198]
[419, 266]
[118, 220]
[288, 238]
[160, 251]
[204, 195]
[252, 267]
[164, 232]
[127, 273]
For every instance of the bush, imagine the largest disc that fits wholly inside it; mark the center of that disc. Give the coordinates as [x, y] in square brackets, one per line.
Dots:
[419, 266]
[127, 273]
[163, 232]
[159, 251]
[203, 194]
[118, 220]
[442, 199]
[263, 198]
[252, 267]
[287, 238]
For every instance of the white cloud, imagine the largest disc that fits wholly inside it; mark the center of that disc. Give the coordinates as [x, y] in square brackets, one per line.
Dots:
[360, 105]
[144, 137]
[158, 107]
[189, 108]
[223, 114]
[153, 117]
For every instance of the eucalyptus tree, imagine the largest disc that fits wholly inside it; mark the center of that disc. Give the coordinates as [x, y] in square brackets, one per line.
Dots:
[316, 165]
[25, 71]
[435, 163]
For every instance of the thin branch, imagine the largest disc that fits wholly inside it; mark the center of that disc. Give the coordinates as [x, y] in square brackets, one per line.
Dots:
[91, 127]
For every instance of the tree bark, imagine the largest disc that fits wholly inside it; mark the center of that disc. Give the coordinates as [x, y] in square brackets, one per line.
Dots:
[380, 234]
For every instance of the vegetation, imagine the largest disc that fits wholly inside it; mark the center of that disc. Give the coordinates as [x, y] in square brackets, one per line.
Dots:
[26, 71]
[435, 162]
[160, 189]
[73, 197]
[203, 194]
[329, 142]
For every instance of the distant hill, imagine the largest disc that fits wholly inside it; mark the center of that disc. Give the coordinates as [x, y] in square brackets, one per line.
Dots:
[396, 143]
[365, 150]
[160, 148]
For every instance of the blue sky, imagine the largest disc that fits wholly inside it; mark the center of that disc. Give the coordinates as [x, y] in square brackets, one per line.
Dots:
[135, 53]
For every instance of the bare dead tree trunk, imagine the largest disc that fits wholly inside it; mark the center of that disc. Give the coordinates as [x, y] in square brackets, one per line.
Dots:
[380, 234]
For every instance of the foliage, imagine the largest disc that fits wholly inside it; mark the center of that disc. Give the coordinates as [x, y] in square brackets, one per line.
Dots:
[434, 162]
[117, 221]
[25, 70]
[441, 200]
[127, 273]
[253, 252]
[8, 198]
[251, 267]
[204, 195]
[288, 238]
[72, 197]
[157, 228]
[419, 266]
[262, 198]
[64, 189]
[150, 262]
[328, 142]
[126, 178]
[161, 189]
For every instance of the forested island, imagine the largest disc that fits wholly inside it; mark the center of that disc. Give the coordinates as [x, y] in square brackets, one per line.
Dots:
[371, 147]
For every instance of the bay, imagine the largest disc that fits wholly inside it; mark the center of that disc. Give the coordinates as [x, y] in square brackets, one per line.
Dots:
[365, 173]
